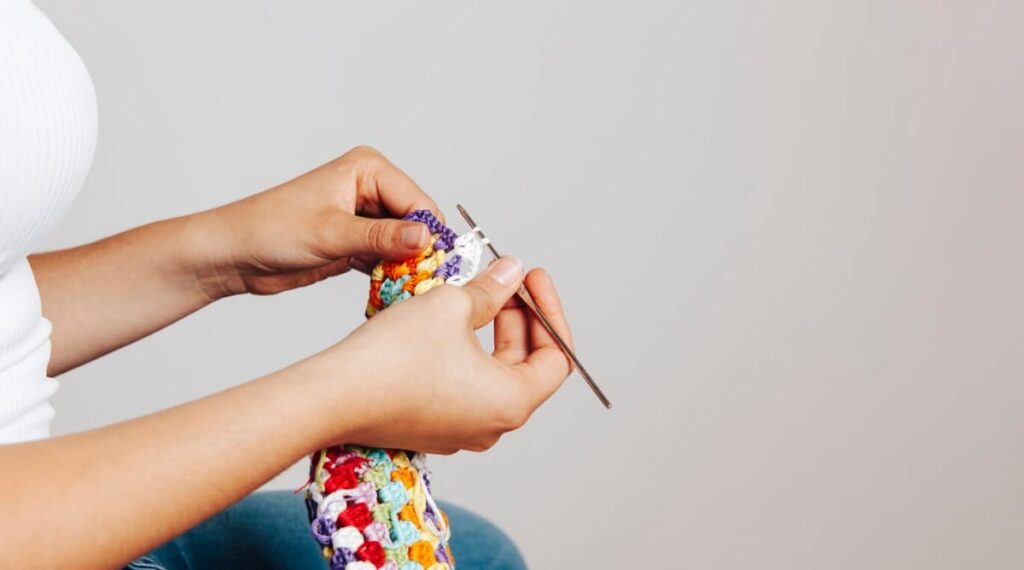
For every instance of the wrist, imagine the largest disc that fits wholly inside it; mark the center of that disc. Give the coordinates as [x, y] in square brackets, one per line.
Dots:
[334, 407]
[210, 243]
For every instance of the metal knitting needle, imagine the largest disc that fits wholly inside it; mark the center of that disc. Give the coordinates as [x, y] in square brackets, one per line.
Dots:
[525, 296]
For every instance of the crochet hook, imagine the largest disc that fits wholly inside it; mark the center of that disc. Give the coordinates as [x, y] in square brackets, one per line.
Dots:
[527, 299]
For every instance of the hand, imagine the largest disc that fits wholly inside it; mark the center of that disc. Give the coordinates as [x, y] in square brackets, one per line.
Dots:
[316, 226]
[415, 376]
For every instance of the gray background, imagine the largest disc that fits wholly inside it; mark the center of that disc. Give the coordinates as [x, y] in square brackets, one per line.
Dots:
[787, 234]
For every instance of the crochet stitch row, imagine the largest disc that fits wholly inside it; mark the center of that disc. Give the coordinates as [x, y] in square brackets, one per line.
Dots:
[449, 259]
[372, 508]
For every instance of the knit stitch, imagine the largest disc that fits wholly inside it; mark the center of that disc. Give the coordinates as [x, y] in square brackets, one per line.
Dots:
[372, 508]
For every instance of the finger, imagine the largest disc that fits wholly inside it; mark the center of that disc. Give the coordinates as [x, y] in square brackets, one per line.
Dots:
[492, 288]
[546, 367]
[286, 281]
[384, 186]
[345, 235]
[511, 333]
[333, 269]
[545, 370]
[545, 296]
[363, 263]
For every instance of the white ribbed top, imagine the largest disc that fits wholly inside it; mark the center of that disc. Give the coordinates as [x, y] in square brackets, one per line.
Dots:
[47, 139]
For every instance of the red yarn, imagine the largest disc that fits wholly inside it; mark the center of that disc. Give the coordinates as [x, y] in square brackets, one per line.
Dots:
[353, 463]
[355, 514]
[372, 552]
[344, 476]
[342, 480]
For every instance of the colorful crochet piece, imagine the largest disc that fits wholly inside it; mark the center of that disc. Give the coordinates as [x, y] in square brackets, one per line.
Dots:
[372, 508]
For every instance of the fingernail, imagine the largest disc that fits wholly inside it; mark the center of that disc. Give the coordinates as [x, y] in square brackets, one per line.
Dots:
[507, 270]
[414, 236]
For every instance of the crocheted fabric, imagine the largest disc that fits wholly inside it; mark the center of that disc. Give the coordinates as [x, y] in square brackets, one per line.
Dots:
[372, 508]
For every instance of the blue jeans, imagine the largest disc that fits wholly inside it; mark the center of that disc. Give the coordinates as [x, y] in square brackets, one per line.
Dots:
[270, 531]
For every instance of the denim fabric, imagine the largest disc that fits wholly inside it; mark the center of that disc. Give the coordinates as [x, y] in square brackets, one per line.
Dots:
[270, 531]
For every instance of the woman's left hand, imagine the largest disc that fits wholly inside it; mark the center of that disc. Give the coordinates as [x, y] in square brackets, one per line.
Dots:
[337, 217]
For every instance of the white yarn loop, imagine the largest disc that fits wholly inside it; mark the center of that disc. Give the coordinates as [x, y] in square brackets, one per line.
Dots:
[470, 249]
[332, 505]
[347, 537]
[441, 529]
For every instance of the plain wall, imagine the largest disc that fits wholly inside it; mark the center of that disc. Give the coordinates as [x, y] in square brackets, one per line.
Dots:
[788, 235]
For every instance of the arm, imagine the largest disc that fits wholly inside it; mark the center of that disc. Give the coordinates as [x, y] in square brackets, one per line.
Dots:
[110, 293]
[103, 497]
[100, 498]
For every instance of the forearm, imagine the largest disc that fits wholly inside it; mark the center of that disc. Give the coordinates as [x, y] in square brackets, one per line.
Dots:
[107, 294]
[101, 498]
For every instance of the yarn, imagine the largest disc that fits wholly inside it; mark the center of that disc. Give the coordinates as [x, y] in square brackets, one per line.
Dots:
[372, 508]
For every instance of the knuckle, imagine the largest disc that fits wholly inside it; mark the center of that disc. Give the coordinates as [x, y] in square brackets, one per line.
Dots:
[524, 410]
[485, 443]
[361, 161]
[377, 236]
[514, 416]
[366, 152]
[520, 418]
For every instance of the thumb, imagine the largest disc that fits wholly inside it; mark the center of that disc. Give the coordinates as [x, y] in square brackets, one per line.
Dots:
[383, 238]
[492, 288]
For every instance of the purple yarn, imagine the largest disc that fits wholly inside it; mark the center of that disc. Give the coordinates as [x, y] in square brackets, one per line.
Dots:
[445, 240]
[441, 554]
[431, 516]
[341, 557]
[445, 236]
[364, 493]
[449, 268]
[322, 528]
[426, 217]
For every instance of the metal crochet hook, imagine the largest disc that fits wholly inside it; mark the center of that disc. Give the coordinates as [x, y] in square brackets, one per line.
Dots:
[525, 296]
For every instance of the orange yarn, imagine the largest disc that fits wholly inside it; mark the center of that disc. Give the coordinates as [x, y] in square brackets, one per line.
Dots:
[414, 270]
[422, 552]
[408, 513]
[406, 476]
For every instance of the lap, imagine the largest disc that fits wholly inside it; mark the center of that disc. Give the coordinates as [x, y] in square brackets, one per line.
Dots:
[270, 531]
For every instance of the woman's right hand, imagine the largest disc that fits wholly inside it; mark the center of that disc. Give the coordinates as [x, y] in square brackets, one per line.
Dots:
[416, 377]
[412, 377]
